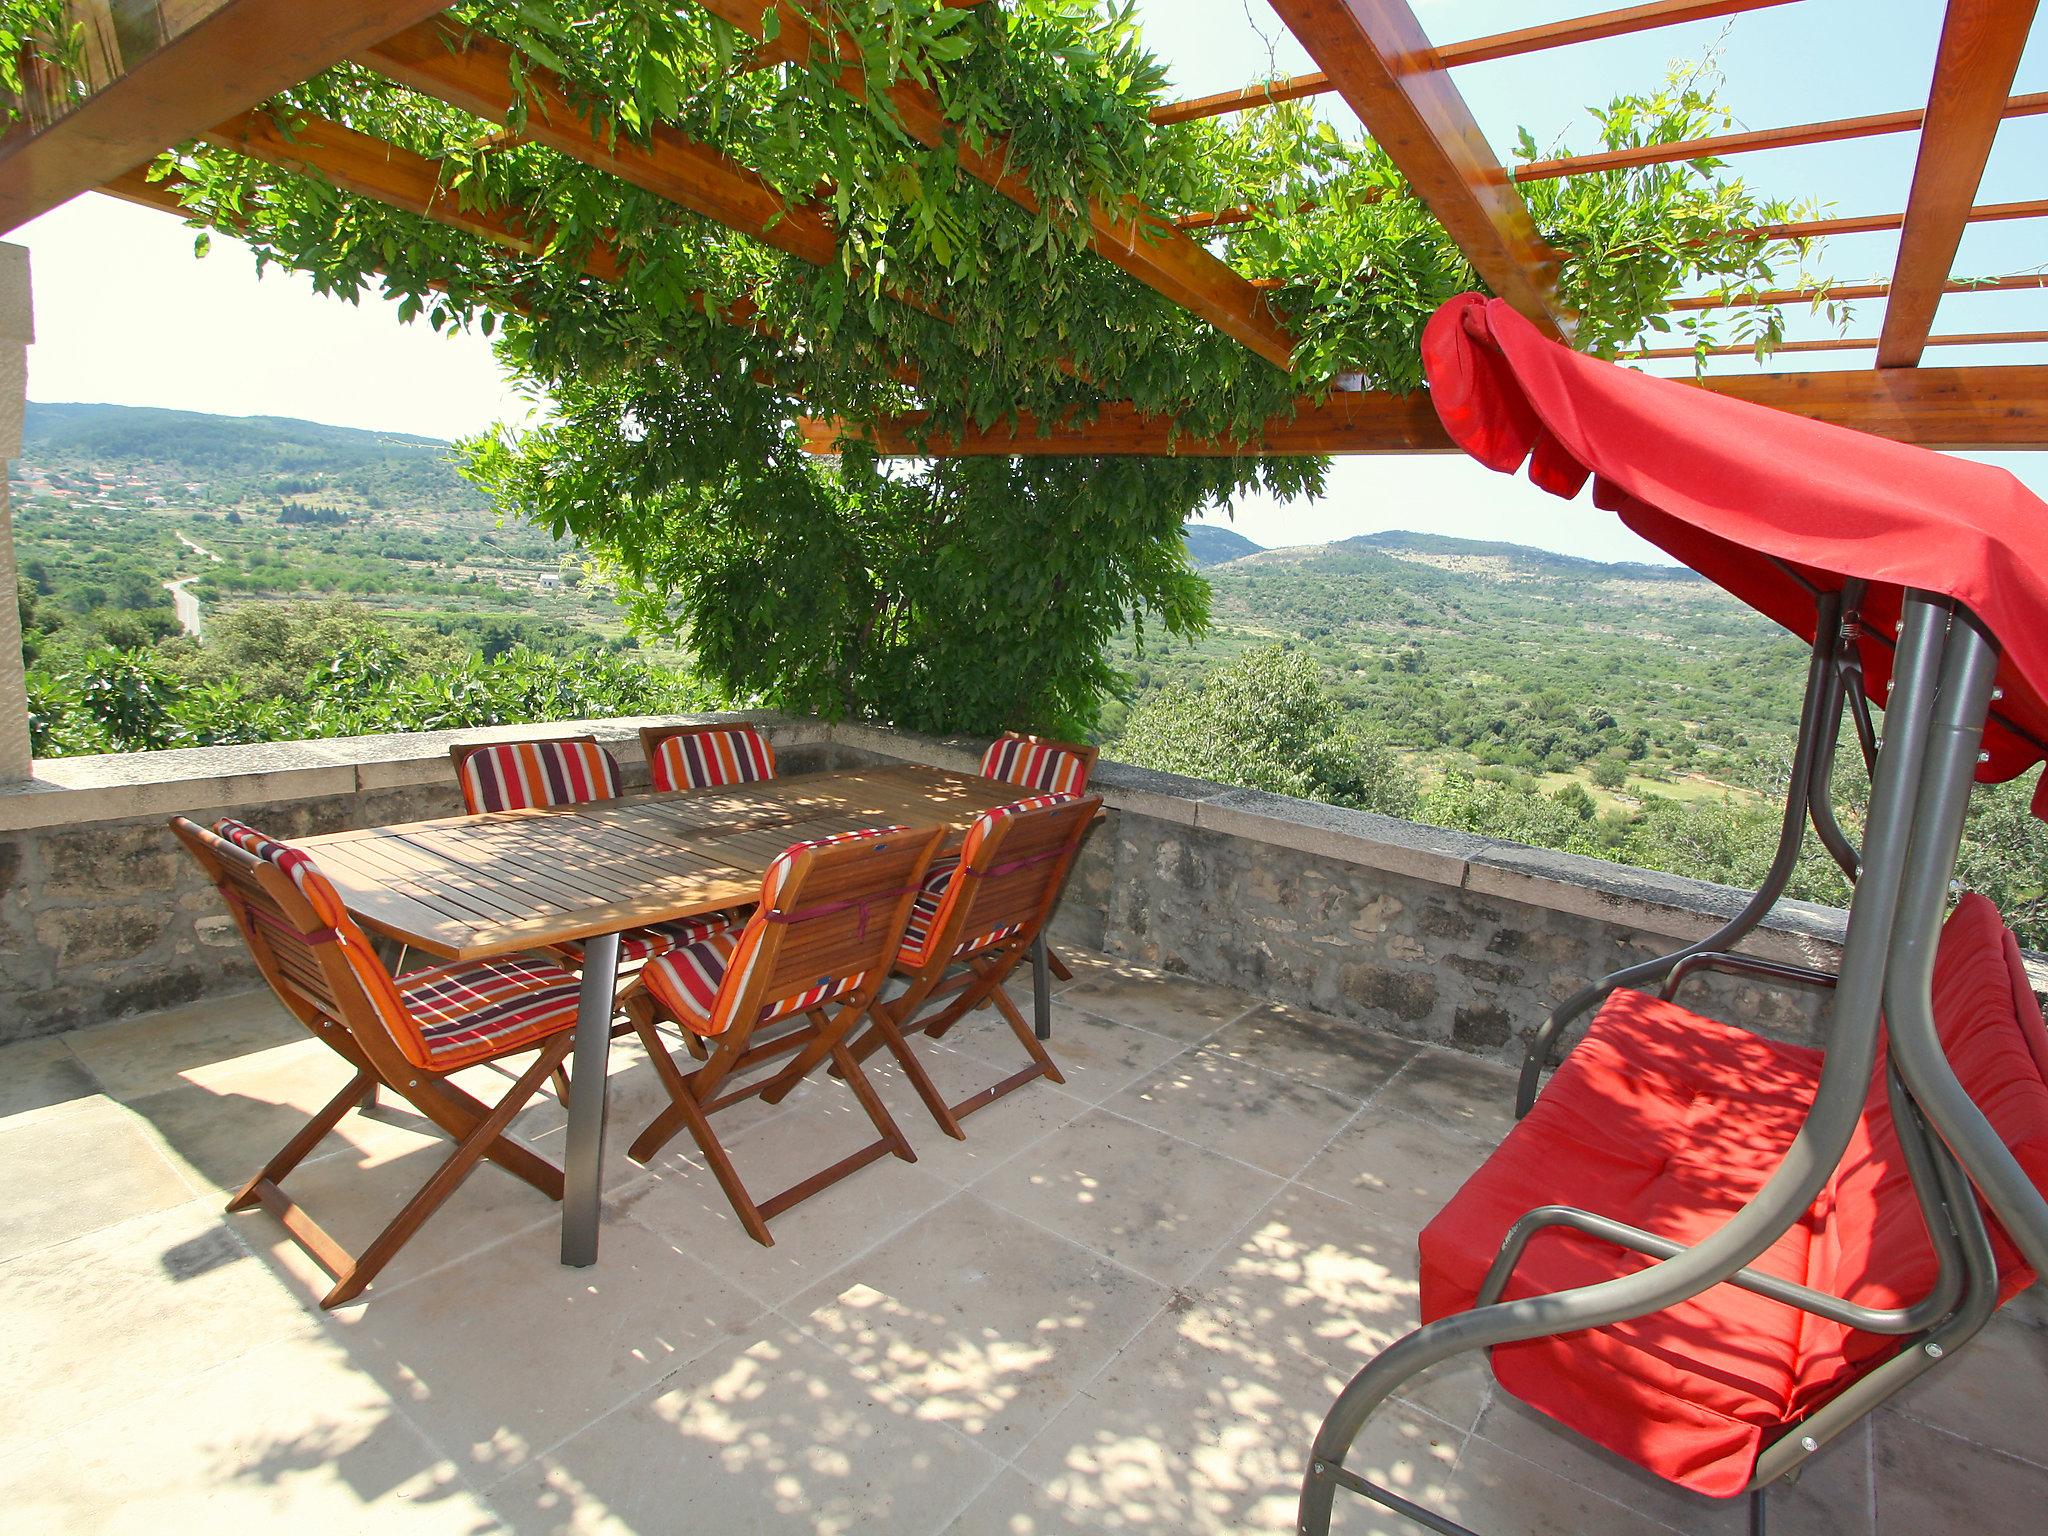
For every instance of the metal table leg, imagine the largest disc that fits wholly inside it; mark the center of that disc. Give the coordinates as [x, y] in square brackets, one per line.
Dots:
[1041, 987]
[583, 1177]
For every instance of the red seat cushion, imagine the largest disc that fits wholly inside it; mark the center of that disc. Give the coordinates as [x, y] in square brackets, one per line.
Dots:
[1672, 1122]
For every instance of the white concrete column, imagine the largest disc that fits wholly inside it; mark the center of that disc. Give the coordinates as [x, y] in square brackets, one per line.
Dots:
[17, 330]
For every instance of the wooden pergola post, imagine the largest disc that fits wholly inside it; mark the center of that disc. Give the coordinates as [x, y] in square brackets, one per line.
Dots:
[17, 330]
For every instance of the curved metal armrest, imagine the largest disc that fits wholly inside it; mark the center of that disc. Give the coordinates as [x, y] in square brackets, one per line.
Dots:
[1744, 965]
[1922, 1315]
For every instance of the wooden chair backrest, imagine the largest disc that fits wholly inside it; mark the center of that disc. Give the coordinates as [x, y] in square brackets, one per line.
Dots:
[828, 911]
[320, 964]
[705, 756]
[1039, 762]
[537, 773]
[1012, 870]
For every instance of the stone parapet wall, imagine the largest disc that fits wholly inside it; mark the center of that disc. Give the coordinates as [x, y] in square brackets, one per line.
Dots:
[1412, 929]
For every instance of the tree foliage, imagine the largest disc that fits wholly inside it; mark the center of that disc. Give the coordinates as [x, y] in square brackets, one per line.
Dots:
[966, 596]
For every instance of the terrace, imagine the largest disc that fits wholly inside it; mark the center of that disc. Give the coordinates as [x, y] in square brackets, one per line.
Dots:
[1126, 1300]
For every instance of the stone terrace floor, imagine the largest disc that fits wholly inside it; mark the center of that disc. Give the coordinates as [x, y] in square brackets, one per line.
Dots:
[1121, 1305]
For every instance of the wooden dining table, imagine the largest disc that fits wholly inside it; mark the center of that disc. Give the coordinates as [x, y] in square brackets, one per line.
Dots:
[475, 887]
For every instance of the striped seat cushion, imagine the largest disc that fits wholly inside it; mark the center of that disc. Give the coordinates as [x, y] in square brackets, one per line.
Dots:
[690, 979]
[1040, 765]
[470, 1010]
[926, 912]
[706, 759]
[528, 775]
[638, 944]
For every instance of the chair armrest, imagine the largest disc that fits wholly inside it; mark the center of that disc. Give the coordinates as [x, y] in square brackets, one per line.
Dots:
[1744, 965]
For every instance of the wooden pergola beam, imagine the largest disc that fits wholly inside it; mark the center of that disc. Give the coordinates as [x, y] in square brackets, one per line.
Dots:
[2015, 283]
[1382, 62]
[1981, 43]
[1879, 223]
[209, 63]
[1139, 241]
[1851, 344]
[475, 73]
[1498, 45]
[1952, 408]
[1720, 146]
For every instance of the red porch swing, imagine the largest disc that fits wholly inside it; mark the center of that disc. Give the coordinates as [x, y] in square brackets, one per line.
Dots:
[1708, 1251]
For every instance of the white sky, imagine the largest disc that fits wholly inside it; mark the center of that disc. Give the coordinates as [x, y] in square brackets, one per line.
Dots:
[124, 314]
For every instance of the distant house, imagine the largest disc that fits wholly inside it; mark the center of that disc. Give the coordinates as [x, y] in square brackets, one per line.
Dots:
[548, 583]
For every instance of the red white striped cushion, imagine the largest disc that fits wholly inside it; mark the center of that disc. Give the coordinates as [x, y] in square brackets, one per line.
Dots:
[706, 759]
[931, 905]
[701, 982]
[637, 944]
[526, 775]
[1034, 765]
[473, 1009]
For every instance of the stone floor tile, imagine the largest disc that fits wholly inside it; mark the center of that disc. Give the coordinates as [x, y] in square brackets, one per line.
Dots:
[1833, 1494]
[72, 1173]
[1332, 1054]
[1446, 1088]
[986, 1322]
[995, 1133]
[1174, 1006]
[1272, 1122]
[1138, 1196]
[39, 1075]
[1097, 1057]
[1402, 1171]
[286, 1438]
[765, 1435]
[1493, 1490]
[682, 1202]
[354, 1196]
[1324, 1288]
[160, 1050]
[1995, 1391]
[150, 1302]
[507, 1353]
[1013, 1505]
[1928, 1481]
[1203, 1426]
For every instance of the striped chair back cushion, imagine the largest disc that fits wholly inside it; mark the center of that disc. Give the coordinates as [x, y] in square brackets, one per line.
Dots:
[747, 954]
[1053, 767]
[528, 775]
[947, 889]
[727, 754]
[368, 971]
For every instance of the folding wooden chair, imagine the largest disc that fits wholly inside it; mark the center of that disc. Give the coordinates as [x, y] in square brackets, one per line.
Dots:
[407, 1034]
[969, 929]
[814, 954]
[1048, 766]
[705, 756]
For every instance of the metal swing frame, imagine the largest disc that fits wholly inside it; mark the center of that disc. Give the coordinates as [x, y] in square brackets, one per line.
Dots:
[1944, 664]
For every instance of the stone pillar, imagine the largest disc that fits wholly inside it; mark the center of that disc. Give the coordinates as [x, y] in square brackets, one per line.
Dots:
[17, 330]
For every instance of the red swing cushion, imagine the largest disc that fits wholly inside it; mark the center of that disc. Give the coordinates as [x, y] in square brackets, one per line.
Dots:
[1672, 1122]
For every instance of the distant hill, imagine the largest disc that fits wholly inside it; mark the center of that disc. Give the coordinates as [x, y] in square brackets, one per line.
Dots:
[1210, 545]
[253, 455]
[1400, 541]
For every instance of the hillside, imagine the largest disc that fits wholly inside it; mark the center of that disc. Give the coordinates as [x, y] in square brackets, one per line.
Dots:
[1493, 654]
[1209, 545]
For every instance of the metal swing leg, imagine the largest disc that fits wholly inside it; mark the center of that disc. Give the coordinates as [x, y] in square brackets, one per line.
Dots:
[1759, 1510]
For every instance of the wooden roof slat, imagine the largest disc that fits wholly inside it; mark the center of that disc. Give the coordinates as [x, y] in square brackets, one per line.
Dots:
[1853, 344]
[474, 72]
[1498, 45]
[236, 54]
[2015, 282]
[1721, 145]
[1382, 61]
[1981, 43]
[1955, 408]
[1139, 241]
[386, 173]
[1879, 223]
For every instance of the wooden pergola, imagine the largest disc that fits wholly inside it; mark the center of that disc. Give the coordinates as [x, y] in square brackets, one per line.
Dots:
[165, 74]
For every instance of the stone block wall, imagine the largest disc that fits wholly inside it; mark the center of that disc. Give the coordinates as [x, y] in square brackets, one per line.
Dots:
[1422, 932]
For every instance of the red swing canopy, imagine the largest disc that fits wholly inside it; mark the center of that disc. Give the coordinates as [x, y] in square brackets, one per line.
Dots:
[1767, 505]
